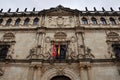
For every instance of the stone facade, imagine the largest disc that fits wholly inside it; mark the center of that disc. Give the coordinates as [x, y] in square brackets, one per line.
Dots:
[27, 39]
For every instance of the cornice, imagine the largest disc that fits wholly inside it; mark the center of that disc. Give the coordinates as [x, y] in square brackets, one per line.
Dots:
[44, 29]
[60, 10]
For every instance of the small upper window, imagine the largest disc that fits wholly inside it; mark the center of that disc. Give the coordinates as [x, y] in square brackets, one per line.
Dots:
[17, 22]
[26, 22]
[84, 21]
[4, 51]
[112, 21]
[94, 21]
[8, 22]
[36, 21]
[1, 20]
[103, 21]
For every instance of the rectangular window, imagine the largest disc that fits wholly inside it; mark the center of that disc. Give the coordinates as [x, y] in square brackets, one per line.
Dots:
[4, 51]
[116, 50]
[61, 52]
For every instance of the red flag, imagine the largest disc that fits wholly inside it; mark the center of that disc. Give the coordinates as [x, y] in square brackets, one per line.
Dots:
[54, 51]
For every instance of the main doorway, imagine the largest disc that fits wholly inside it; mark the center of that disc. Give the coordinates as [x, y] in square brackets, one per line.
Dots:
[60, 78]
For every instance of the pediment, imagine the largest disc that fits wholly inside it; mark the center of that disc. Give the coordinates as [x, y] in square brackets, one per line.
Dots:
[61, 11]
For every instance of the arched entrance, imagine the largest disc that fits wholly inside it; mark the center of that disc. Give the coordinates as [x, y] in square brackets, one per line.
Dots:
[60, 78]
[69, 73]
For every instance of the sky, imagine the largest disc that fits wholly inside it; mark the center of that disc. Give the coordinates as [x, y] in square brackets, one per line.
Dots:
[46, 4]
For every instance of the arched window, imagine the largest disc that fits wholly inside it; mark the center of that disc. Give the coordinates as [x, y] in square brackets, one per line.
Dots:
[84, 21]
[112, 21]
[36, 21]
[1, 20]
[26, 22]
[94, 21]
[103, 21]
[17, 22]
[8, 22]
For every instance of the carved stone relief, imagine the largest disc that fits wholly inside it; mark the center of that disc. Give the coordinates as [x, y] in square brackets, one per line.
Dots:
[112, 38]
[60, 21]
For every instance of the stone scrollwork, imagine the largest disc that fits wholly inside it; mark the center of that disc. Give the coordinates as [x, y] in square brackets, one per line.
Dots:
[32, 54]
[87, 53]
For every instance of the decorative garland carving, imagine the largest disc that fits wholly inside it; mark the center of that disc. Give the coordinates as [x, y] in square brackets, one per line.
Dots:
[60, 35]
[9, 36]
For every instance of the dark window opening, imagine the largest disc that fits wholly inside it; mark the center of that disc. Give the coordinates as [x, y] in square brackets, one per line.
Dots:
[36, 21]
[17, 22]
[103, 21]
[116, 50]
[3, 51]
[94, 21]
[61, 52]
[84, 21]
[1, 20]
[26, 22]
[60, 78]
[8, 22]
[112, 21]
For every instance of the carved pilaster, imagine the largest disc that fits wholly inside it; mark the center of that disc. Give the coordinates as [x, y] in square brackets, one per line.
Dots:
[31, 22]
[31, 73]
[116, 20]
[85, 71]
[89, 73]
[22, 21]
[82, 73]
[89, 21]
[39, 72]
[13, 22]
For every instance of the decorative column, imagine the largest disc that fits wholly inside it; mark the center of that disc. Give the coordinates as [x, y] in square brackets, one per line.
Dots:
[89, 73]
[82, 73]
[31, 73]
[39, 72]
[80, 42]
[43, 42]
